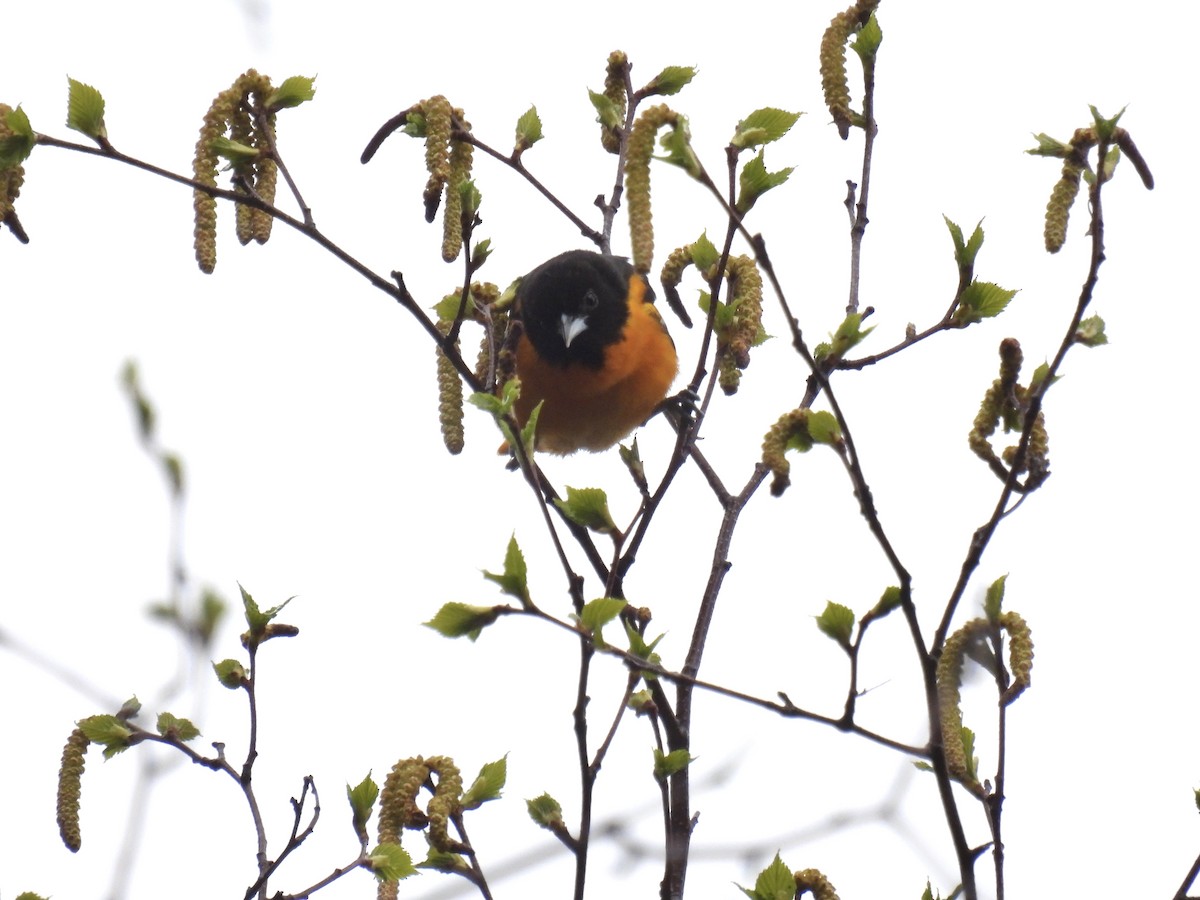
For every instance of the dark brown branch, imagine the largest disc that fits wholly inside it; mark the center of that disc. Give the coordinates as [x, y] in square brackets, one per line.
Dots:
[517, 166]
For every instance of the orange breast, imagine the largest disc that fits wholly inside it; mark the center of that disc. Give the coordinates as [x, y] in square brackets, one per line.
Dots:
[592, 409]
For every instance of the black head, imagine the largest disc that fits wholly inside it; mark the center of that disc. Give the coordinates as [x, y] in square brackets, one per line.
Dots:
[574, 305]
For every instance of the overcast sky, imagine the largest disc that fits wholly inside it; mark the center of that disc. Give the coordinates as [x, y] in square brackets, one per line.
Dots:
[302, 402]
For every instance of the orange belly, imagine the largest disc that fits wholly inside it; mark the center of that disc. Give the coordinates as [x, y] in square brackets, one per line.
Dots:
[592, 409]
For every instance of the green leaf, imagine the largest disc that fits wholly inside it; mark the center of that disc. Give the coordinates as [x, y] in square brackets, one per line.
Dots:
[849, 334]
[837, 622]
[257, 619]
[85, 110]
[292, 92]
[529, 129]
[513, 580]
[638, 646]
[678, 146]
[16, 147]
[529, 429]
[704, 254]
[1105, 127]
[239, 155]
[632, 459]
[608, 113]
[588, 507]
[755, 180]
[487, 784]
[667, 764]
[1048, 146]
[968, 739]
[108, 731]
[670, 80]
[981, 300]
[463, 620]
[446, 309]
[597, 613]
[179, 729]
[480, 254]
[869, 37]
[1091, 332]
[641, 701]
[471, 198]
[965, 251]
[443, 861]
[823, 427]
[956, 235]
[974, 244]
[927, 894]
[1197, 790]
[498, 406]
[362, 799]
[775, 882]
[889, 601]
[763, 126]
[994, 598]
[390, 862]
[414, 124]
[231, 673]
[1111, 158]
[129, 709]
[30, 895]
[1039, 375]
[725, 313]
[545, 811]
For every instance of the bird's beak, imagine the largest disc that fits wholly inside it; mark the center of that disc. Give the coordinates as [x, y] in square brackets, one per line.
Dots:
[571, 327]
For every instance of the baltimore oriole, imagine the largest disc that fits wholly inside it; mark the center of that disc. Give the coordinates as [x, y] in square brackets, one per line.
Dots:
[593, 348]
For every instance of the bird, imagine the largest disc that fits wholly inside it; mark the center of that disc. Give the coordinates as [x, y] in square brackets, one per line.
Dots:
[592, 348]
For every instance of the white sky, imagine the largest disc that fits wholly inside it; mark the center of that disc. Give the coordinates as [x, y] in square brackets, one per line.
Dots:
[302, 402]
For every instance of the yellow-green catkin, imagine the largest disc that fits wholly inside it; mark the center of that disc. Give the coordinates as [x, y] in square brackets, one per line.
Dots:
[744, 326]
[833, 62]
[232, 111]
[1020, 654]
[398, 801]
[949, 685]
[671, 275]
[398, 807]
[774, 447]
[70, 778]
[1007, 402]
[1058, 209]
[241, 130]
[266, 176]
[450, 397]
[204, 170]
[438, 125]
[459, 173]
[445, 803]
[614, 89]
[949, 692]
[637, 182]
[11, 178]
[999, 402]
[815, 882]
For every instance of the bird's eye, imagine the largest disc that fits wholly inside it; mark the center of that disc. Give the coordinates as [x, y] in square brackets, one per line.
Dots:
[590, 301]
